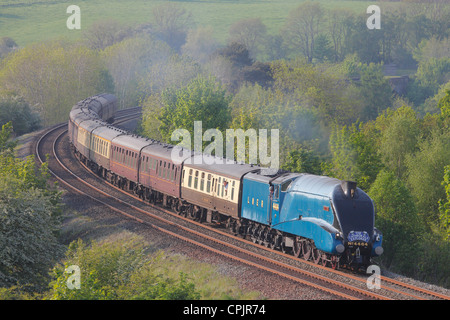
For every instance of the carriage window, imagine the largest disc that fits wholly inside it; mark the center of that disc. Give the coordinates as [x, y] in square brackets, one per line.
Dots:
[208, 184]
[232, 191]
[225, 187]
[257, 202]
[196, 179]
[190, 178]
[202, 181]
[218, 186]
[262, 203]
[164, 173]
[175, 175]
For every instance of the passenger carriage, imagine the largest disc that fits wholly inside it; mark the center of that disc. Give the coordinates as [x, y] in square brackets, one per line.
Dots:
[210, 183]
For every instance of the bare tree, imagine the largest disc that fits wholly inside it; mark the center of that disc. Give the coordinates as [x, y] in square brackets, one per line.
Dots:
[250, 33]
[337, 21]
[302, 27]
[171, 24]
[200, 44]
[105, 33]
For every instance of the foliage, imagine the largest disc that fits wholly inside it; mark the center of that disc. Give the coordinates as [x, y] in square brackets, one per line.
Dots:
[303, 160]
[354, 155]
[128, 269]
[375, 91]
[401, 126]
[171, 23]
[201, 100]
[200, 44]
[52, 77]
[127, 62]
[29, 220]
[398, 220]
[426, 169]
[105, 33]
[444, 204]
[15, 110]
[250, 33]
[302, 27]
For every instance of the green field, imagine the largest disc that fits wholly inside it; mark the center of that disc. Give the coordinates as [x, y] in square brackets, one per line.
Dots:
[28, 21]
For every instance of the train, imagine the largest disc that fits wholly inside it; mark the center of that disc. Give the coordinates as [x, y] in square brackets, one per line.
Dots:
[325, 220]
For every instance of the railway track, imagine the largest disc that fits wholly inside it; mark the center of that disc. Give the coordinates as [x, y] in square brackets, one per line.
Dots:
[336, 283]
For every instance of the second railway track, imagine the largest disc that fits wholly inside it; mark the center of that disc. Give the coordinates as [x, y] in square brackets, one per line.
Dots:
[339, 285]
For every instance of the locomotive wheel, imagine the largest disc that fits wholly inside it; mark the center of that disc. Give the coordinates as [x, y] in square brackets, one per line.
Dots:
[316, 256]
[297, 249]
[334, 262]
[306, 250]
[255, 235]
[178, 207]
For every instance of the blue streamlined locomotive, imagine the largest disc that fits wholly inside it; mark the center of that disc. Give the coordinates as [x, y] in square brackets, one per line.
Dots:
[322, 219]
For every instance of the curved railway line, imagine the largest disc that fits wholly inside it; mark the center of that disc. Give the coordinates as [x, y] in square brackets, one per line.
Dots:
[341, 285]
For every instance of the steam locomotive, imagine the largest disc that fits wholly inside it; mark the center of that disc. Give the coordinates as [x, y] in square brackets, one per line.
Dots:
[317, 218]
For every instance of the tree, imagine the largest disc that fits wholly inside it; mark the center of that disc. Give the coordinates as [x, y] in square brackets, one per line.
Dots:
[376, 91]
[338, 25]
[444, 204]
[29, 220]
[432, 73]
[399, 138]
[249, 32]
[16, 110]
[167, 72]
[313, 87]
[231, 59]
[128, 61]
[202, 99]
[354, 155]
[322, 48]
[104, 33]
[302, 27]
[7, 45]
[171, 24]
[396, 217]
[425, 169]
[237, 53]
[200, 44]
[52, 77]
[303, 160]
